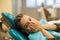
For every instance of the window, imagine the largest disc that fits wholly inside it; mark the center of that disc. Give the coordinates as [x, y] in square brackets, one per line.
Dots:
[30, 3]
[49, 2]
[34, 3]
[19, 3]
[57, 1]
[39, 2]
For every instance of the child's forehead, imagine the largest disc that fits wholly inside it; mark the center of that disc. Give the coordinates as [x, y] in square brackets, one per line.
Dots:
[24, 19]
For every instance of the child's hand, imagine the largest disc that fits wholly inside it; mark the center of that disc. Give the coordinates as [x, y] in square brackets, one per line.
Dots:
[32, 27]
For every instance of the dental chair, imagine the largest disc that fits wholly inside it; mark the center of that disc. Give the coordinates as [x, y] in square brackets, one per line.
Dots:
[9, 21]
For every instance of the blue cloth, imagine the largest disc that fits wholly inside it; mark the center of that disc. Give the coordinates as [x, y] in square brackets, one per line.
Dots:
[37, 36]
[55, 34]
[43, 21]
[40, 36]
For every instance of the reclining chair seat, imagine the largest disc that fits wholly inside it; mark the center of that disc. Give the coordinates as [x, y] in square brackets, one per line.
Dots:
[32, 36]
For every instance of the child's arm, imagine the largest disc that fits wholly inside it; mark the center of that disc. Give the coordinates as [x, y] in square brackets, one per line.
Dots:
[47, 34]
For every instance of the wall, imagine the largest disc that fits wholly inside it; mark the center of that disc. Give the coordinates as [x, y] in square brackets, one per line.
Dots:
[5, 6]
[30, 11]
[52, 12]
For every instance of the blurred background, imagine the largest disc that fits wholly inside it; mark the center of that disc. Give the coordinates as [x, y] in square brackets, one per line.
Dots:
[32, 8]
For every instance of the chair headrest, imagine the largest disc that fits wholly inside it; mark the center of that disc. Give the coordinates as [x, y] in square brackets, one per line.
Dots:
[9, 17]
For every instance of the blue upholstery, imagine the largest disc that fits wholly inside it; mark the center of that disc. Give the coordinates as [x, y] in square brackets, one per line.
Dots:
[17, 35]
[32, 36]
[9, 17]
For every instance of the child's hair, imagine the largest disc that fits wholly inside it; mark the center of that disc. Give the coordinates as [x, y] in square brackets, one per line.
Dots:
[17, 21]
[18, 24]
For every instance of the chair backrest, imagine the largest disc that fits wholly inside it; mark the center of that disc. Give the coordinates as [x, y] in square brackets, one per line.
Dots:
[8, 19]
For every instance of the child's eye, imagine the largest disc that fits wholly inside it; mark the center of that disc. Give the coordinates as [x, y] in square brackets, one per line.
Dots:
[29, 19]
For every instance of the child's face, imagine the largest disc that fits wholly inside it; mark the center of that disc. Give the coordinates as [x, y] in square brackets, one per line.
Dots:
[30, 24]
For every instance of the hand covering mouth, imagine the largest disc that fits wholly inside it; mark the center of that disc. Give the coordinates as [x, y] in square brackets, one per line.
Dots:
[31, 27]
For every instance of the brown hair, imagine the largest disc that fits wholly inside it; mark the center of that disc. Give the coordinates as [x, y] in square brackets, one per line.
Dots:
[18, 24]
[17, 21]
